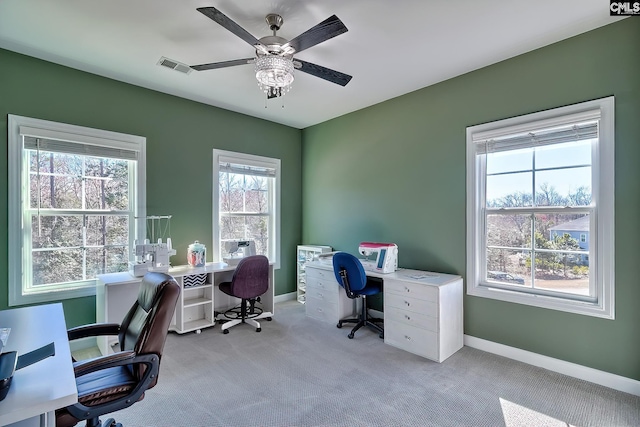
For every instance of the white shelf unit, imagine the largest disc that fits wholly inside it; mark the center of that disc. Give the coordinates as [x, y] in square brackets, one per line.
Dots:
[194, 310]
[305, 254]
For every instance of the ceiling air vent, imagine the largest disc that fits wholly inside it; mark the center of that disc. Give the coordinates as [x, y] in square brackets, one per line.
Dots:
[174, 65]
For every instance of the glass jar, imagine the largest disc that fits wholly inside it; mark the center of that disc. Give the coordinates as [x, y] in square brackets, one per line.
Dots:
[196, 254]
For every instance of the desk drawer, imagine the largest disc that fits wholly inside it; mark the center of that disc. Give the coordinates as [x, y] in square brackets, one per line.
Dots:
[413, 290]
[418, 320]
[318, 273]
[414, 340]
[323, 290]
[321, 309]
[404, 302]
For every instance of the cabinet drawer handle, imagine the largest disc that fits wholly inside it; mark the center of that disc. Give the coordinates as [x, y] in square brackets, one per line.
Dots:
[407, 289]
[320, 295]
[320, 310]
[407, 302]
[407, 337]
[407, 317]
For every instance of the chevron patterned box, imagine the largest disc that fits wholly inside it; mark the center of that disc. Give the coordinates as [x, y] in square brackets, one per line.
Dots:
[194, 280]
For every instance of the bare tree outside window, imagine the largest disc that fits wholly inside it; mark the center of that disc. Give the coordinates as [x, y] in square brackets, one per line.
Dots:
[78, 207]
[244, 208]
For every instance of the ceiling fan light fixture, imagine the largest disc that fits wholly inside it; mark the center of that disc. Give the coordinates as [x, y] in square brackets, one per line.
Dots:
[274, 73]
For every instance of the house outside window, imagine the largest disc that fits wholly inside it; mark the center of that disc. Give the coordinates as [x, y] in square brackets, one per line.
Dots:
[246, 203]
[74, 193]
[540, 208]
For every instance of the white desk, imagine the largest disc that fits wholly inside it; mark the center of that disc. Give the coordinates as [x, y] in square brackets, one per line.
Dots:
[422, 310]
[38, 390]
[196, 307]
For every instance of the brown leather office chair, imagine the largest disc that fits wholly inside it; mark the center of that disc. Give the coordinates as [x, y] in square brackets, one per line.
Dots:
[249, 281]
[116, 381]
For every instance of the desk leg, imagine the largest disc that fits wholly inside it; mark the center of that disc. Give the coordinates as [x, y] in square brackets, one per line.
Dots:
[48, 419]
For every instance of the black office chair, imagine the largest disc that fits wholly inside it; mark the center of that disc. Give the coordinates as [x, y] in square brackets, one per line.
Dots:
[249, 281]
[351, 276]
[116, 381]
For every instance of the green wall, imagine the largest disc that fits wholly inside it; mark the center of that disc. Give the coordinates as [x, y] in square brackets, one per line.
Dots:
[180, 137]
[396, 172]
[391, 172]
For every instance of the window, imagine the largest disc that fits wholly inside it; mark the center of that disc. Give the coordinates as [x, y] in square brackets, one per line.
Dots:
[74, 193]
[540, 211]
[246, 202]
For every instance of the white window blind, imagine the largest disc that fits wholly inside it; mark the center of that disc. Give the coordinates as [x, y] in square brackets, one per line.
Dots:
[577, 127]
[247, 170]
[62, 142]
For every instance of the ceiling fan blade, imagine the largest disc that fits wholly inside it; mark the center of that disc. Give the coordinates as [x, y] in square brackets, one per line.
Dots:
[223, 64]
[328, 74]
[324, 31]
[226, 22]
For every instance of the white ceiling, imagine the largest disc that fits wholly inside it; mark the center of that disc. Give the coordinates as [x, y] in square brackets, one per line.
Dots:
[391, 48]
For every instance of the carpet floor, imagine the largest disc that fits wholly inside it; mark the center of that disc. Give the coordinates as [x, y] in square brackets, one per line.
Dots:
[302, 372]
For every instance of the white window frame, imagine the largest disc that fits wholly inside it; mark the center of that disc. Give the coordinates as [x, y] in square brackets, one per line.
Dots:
[20, 292]
[274, 218]
[602, 241]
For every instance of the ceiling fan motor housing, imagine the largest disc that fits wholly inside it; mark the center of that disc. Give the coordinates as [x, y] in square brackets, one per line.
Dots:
[274, 46]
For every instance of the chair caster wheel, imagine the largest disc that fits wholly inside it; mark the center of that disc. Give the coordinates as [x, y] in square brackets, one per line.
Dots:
[269, 319]
[226, 331]
[339, 325]
[258, 329]
[350, 336]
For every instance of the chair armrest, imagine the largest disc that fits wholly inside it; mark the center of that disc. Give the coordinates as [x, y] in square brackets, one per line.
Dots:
[93, 330]
[152, 363]
[87, 366]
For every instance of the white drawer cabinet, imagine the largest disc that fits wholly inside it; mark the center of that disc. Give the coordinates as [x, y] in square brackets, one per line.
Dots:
[425, 317]
[306, 254]
[422, 310]
[325, 299]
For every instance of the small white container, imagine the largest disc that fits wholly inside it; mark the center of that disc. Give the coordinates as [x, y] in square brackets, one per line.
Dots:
[196, 254]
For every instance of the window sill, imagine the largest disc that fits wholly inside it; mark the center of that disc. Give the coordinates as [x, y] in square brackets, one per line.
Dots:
[599, 309]
[18, 299]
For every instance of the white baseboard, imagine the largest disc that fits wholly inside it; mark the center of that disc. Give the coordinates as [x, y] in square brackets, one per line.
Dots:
[285, 297]
[606, 379]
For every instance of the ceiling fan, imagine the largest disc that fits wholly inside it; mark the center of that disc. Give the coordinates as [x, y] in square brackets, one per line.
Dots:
[274, 56]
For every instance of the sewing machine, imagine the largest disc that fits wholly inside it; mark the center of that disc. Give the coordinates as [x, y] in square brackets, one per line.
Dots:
[238, 249]
[151, 257]
[386, 256]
